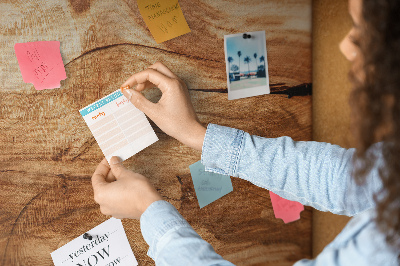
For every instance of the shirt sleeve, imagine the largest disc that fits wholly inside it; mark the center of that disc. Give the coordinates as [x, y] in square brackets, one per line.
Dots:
[313, 173]
[360, 243]
[172, 241]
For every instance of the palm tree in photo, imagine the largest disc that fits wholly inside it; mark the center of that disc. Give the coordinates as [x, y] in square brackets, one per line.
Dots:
[230, 60]
[255, 60]
[239, 55]
[262, 59]
[247, 60]
[234, 68]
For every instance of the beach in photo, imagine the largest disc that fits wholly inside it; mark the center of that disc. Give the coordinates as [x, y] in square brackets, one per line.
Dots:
[246, 64]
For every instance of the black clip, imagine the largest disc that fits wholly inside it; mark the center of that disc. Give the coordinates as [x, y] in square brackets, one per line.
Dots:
[246, 36]
[87, 236]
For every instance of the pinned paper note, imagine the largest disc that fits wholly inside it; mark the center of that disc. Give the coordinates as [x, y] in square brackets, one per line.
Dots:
[118, 126]
[164, 19]
[209, 186]
[284, 209]
[41, 63]
[108, 246]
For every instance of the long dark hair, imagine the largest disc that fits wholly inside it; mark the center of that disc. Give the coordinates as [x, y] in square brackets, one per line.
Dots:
[376, 107]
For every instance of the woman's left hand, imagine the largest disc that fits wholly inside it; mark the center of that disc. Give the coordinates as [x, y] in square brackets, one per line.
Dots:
[120, 192]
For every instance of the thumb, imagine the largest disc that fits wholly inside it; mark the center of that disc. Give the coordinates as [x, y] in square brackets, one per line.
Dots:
[139, 101]
[117, 168]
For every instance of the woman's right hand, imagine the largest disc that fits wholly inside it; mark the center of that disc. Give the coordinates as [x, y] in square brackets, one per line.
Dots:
[173, 113]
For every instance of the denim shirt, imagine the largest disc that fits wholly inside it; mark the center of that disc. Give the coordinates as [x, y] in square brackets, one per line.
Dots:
[312, 173]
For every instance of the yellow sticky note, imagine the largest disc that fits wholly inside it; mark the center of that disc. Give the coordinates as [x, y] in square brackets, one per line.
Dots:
[164, 19]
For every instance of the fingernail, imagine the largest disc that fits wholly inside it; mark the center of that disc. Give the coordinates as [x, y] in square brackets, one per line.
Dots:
[124, 88]
[115, 160]
[129, 92]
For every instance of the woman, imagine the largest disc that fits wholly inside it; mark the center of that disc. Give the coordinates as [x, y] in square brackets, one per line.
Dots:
[316, 174]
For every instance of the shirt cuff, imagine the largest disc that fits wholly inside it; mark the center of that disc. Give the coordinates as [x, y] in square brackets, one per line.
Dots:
[158, 219]
[221, 150]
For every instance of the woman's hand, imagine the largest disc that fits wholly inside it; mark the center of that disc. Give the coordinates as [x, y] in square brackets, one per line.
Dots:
[120, 192]
[174, 112]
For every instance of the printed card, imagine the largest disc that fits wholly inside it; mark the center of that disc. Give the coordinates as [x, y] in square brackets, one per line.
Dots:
[209, 186]
[118, 126]
[108, 246]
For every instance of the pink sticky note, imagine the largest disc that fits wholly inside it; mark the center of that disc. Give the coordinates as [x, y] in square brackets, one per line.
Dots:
[284, 209]
[41, 63]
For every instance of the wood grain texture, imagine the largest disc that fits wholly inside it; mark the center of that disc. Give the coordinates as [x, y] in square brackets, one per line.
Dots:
[47, 153]
[331, 109]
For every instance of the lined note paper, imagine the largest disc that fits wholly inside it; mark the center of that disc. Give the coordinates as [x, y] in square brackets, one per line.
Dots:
[209, 186]
[284, 209]
[118, 126]
[41, 63]
[164, 19]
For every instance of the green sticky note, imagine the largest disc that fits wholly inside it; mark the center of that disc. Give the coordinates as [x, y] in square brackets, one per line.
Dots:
[209, 186]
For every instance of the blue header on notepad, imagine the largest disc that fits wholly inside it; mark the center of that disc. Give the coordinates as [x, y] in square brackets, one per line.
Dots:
[100, 103]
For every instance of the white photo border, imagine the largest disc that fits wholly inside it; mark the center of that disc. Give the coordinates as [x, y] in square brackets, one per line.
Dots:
[247, 92]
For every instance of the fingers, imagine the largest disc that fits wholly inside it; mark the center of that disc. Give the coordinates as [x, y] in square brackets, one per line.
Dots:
[110, 177]
[100, 174]
[117, 167]
[151, 75]
[160, 67]
[140, 102]
[157, 75]
[143, 86]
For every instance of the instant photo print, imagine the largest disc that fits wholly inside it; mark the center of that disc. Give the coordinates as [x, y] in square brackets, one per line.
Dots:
[246, 64]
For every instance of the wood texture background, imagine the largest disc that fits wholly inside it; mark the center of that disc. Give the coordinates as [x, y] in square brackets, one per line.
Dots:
[47, 153]
[331, 94]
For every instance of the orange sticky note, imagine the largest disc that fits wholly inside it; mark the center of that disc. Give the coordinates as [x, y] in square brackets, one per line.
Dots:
[41, 63]
[164, 19]
[284, 209]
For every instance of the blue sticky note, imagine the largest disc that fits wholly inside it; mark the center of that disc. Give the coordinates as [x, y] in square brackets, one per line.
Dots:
[209, 186]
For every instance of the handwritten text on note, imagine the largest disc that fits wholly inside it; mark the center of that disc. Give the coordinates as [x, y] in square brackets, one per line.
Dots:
[164, 19]
[209, 186]
[41, 63]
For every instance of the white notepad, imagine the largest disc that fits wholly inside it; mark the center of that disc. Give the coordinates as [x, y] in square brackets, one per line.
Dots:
[118, 126]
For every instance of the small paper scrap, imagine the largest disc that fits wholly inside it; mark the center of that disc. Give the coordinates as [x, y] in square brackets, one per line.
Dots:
[284, 209]
[108, 246]
[209, 186]
[41, 63]
[164, 19]
[118, 126]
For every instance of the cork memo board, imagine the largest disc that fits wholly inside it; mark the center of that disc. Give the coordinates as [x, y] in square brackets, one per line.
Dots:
[47, 153]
